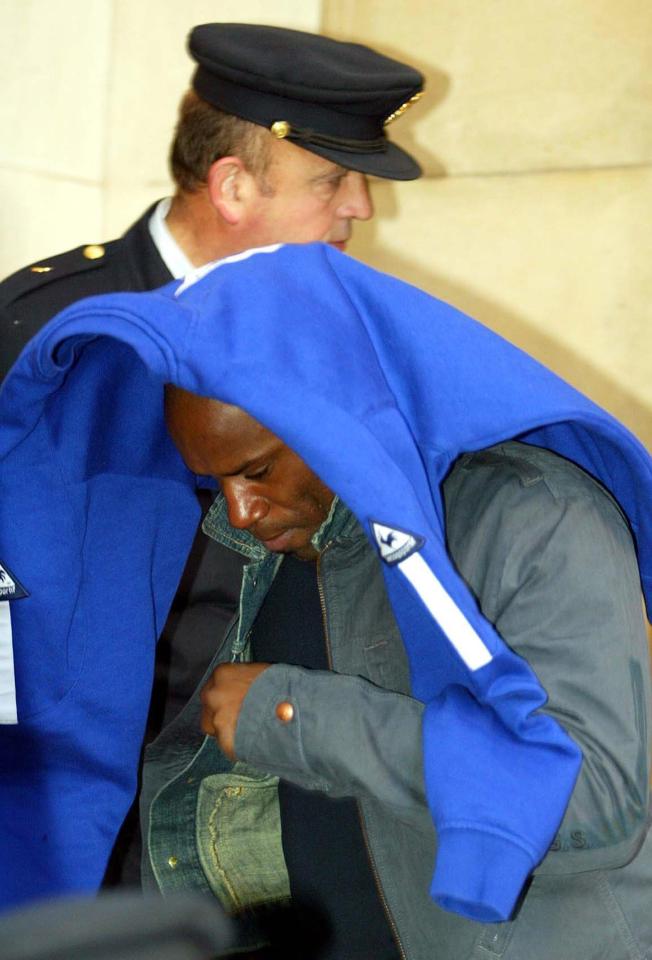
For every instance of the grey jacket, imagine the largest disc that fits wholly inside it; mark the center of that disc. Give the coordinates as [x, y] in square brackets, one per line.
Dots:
[550, 559]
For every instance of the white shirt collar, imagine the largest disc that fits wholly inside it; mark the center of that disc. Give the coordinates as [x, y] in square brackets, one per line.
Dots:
[171, 253]
[196, 273]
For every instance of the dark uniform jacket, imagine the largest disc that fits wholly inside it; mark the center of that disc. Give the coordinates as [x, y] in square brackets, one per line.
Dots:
[36, 293]
[210, 584]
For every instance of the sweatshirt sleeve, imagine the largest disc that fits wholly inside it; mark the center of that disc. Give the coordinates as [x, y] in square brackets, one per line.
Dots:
[550, 558]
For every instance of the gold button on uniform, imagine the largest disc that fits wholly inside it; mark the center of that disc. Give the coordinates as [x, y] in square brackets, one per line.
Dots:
[284, 711]
[172, 862]
[41, 269]
[94, 251]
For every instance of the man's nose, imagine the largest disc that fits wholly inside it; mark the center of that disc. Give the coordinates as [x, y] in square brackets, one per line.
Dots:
[356, 202]
[244, 506]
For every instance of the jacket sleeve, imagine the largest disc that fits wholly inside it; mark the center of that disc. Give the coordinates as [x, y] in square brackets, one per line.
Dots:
[347, 737]
[553, 566]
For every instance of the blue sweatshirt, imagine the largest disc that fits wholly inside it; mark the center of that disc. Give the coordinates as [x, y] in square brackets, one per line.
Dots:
[379, 387]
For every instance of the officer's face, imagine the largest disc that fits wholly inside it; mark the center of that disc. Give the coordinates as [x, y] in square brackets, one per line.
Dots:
[311, 198]
[268, 489]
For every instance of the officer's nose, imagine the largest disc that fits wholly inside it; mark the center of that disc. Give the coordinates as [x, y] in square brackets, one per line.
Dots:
[356, 202]
[244, 506]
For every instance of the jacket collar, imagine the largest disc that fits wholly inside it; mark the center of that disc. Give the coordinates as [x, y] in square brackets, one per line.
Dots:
[340, 525]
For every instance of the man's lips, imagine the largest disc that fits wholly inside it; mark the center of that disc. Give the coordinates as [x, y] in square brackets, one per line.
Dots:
[278, 542]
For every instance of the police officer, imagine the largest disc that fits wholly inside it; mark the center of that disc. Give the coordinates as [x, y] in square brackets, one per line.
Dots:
[273, 144]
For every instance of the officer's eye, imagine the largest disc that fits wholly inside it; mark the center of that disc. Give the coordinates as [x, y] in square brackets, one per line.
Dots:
[332, 182]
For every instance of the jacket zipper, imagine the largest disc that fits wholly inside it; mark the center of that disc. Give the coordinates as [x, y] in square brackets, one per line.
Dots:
[370, 856]
[379, 888]
[322, 603]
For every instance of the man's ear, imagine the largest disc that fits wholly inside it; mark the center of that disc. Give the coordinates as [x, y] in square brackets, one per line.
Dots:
[228, 188]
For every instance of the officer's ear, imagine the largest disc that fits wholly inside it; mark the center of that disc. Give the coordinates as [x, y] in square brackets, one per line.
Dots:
[229, 186]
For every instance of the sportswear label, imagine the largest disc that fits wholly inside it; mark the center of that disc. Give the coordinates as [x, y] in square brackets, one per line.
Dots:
[395, 544]
[10, 587]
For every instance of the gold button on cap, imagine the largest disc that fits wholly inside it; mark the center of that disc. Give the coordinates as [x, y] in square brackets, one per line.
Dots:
[41, 269]
[280, 129]
[284, 711]
[94, 251]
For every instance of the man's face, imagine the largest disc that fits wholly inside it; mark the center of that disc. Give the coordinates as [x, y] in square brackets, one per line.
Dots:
[268, 489]
[310, 198]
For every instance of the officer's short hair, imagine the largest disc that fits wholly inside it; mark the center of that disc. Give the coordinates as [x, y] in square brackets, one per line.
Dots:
[204, 134]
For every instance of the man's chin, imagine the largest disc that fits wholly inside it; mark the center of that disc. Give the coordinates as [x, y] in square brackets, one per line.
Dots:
[306, 552]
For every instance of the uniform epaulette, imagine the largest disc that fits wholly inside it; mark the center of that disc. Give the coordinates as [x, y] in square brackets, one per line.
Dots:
[39, 274]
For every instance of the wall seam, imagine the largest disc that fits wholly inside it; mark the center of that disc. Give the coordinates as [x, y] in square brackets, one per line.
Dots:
[108, 111]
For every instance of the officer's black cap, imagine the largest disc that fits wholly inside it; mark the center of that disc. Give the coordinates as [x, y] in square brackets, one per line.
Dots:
[329, 97]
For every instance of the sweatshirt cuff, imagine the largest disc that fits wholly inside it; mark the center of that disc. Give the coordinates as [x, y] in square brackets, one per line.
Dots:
[479, 875]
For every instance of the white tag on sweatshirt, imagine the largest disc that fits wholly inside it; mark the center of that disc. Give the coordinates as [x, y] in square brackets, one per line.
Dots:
[8, 708]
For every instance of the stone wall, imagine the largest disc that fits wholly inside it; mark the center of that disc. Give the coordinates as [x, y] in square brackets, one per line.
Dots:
[534, 214]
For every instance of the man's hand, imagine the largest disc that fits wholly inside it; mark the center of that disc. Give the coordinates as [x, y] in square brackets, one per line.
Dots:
[222, 698]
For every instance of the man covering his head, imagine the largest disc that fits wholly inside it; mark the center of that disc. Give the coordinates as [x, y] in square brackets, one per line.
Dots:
[439, 657]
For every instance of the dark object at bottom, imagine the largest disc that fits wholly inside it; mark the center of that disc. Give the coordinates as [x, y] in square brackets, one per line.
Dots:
[118, 926]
